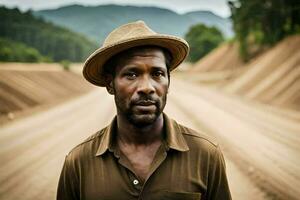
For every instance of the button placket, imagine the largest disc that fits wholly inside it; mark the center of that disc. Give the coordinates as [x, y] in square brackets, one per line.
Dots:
[137, 184]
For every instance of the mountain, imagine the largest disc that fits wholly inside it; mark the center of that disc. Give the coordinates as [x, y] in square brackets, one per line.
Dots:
[210, 19]
[36, 38]
[96, 22]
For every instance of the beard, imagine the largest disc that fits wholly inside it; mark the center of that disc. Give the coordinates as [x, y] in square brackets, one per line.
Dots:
[140, 118]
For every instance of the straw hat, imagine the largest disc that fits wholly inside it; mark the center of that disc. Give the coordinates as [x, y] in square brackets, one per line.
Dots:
[128, 36]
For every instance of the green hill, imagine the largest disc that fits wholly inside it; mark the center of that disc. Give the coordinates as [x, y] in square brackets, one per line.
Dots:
[42, 38]
[96, 22]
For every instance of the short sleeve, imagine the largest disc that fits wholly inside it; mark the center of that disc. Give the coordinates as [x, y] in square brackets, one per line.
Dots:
[68, 182]
[217, 179]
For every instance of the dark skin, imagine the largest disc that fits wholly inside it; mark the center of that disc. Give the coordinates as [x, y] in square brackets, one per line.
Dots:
[140, 87]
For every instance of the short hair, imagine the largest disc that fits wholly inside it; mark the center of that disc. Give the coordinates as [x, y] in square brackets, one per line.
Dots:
[110, 65]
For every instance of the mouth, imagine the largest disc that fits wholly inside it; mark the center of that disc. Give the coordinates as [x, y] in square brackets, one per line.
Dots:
[145, 106]
[145, 103]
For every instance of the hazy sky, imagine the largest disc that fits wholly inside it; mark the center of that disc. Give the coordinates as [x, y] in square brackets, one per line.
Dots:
[217, 6]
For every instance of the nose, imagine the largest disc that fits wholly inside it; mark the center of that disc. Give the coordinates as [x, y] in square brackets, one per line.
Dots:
[145, 86]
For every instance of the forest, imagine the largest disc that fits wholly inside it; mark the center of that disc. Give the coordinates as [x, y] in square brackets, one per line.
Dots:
[257, 25]
[263, 23]
[26, 38]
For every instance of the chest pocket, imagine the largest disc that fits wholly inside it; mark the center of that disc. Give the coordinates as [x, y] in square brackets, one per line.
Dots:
[167, 195]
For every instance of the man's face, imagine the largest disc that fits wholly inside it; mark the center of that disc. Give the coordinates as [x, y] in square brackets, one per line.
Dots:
[140, 86]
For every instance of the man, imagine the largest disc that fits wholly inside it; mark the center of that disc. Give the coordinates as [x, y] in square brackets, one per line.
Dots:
[142, 154]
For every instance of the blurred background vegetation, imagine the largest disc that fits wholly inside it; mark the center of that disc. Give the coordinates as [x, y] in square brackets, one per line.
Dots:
[72, 32]
[26, 38]
[202, 40]
[263, 22]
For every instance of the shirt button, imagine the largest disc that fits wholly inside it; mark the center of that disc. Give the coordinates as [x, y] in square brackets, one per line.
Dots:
[135, 182]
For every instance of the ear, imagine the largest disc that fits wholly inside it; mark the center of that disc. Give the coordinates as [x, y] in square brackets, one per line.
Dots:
[109, 85]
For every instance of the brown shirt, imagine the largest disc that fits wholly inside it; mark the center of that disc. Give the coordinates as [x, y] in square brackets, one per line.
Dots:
[186, 166]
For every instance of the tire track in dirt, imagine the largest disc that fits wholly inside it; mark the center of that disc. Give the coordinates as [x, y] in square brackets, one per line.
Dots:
[20, 175]
[269, 182]
[241, 186]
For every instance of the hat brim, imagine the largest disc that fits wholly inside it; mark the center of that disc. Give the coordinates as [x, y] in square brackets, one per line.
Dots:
[93, 66]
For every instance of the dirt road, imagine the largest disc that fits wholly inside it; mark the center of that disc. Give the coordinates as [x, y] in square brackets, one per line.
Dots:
[261, 148]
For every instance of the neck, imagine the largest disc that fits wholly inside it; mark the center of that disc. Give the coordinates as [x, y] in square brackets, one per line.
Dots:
[130, 134]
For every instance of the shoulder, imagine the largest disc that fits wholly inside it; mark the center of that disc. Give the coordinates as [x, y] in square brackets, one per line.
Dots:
[203, 147]
[87, 148]
[198, 140]
[197, 135]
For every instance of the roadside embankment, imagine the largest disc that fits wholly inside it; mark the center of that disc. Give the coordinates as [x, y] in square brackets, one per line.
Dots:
[271, 78]
[26, 88]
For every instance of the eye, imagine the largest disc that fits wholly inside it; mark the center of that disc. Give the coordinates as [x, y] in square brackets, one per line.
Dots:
[158, 73]
[130, 75]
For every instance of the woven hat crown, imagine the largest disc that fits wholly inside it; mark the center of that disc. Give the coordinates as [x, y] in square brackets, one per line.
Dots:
[128, 31]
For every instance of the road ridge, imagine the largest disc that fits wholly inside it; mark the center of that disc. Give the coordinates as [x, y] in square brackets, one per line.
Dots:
[265, 183]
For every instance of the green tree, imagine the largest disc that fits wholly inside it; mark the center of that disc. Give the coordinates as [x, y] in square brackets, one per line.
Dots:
[263, 22]
[202, 40]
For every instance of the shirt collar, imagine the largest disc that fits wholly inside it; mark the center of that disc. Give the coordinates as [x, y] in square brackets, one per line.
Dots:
[174, 138]
[106, 141]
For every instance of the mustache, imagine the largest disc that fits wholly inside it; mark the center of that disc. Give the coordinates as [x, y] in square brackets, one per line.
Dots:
[145, 100]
